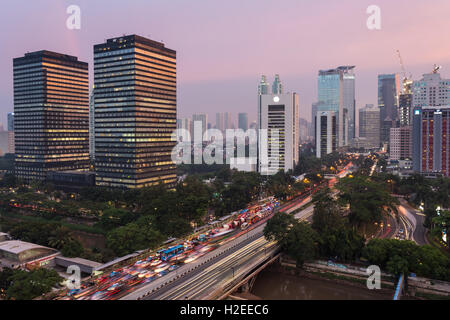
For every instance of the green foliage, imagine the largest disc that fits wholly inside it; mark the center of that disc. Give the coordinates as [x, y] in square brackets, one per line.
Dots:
[23, 285]
[398, 257]
[367, 199]
[336, 238]
[296, 238]
[133, 237]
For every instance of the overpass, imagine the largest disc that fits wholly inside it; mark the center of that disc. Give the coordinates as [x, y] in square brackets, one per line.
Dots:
[220, 272]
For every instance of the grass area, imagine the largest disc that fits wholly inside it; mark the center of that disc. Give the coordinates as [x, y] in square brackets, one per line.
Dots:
[75, 227]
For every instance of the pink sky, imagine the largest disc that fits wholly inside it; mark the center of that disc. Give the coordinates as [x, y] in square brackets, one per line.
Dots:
[224, 46]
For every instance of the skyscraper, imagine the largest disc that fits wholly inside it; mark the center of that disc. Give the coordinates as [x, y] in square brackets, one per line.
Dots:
[431, 90]
[431, 140]
[348, 96]
[400, 143]
[263, 87]
[336, 93]
[203, 118]
[243, 121]
[369, 125]
[11, 148]
[135, 112]
[185, 124]
[220, 123]
[277, 86]
[51, 111]
[326, 133]
[278, 114]
[388, 95]
[228, 124]
[92, 126]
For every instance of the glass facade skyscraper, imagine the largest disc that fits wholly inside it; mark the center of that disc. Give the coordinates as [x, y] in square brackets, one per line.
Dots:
[51, 111]
[135, 112]
[388, 96]
[336, 93]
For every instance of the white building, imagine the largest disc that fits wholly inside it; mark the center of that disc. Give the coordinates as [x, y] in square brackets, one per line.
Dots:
[326, 133]
[278, 117]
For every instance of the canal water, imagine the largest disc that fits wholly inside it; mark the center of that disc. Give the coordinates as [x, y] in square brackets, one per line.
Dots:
[272, 285]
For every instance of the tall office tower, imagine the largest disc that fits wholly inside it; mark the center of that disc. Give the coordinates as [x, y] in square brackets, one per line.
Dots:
[135, 112]
[228, 124]
[263, 87]
[277, 86]
[11, 148]
[278, 114]
[400, 143]
[405, 109]
[185, 124]
[349, 101]
[388, 95]
[92, 126]
[243, 121]
[336, 93]
[303, 132]
[51, 114]
[431, 140]
[431, 90]
[203, 118]
[220, 121]
[369, 125]
[326, 132]
[10, 121]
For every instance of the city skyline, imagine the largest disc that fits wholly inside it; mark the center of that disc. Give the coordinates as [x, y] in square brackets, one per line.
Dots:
[209, 64]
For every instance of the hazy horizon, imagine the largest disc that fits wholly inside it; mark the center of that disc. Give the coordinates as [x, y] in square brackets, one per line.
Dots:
[223, 48]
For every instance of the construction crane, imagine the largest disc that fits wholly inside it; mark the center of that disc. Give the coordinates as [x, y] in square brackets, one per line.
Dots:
[436, 68]
[407, 81]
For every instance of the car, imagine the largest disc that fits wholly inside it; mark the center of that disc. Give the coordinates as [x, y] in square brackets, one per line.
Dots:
[173, 267]
[162, 273]
[162, 267]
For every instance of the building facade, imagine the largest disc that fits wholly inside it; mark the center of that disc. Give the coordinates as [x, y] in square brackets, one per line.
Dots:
[11, 148]
[400, 143]
[431, 140]
[326, 133]
[431, 90]
[135, 112]
[278, 114]
[369, 125]
[388, 95]
[336, 93]
[51, 114]
[243, 121]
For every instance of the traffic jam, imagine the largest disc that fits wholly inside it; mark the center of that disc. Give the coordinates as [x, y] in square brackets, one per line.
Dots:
[122, 281]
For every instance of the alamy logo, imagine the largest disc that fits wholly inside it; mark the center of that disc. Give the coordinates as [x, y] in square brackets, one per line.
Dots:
[374, 20]
[374, 279]
[74, 20]
[213, 147]
[74, 280]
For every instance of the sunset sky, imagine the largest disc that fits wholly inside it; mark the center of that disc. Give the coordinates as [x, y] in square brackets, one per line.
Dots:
[224, 47]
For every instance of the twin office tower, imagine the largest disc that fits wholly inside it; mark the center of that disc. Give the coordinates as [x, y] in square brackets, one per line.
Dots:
[135, 113]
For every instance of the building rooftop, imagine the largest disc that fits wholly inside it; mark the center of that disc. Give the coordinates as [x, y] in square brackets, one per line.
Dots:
[17, 246]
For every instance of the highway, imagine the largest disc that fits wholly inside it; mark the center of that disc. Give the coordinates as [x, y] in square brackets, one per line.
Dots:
[413, 220]
[214, 275]
[217, 268]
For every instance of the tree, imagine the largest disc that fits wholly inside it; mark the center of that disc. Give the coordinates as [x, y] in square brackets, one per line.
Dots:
[72, 248]
[301, 243]
[442, 223]
[366, 199]
[29, 285]
[278, 227]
